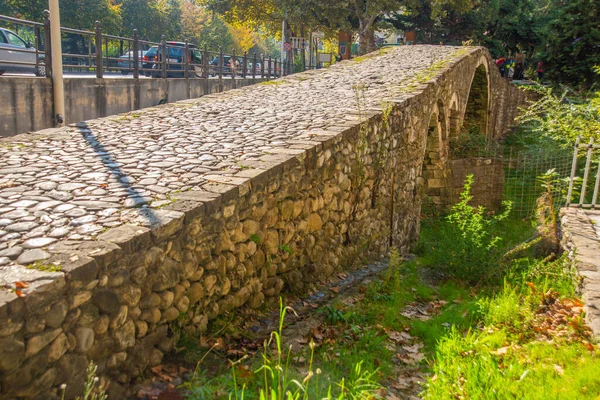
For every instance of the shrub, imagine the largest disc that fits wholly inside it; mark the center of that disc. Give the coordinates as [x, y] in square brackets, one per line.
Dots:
[469, 247]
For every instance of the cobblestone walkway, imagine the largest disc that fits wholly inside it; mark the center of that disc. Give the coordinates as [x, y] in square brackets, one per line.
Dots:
[75, 182]
[581, 237]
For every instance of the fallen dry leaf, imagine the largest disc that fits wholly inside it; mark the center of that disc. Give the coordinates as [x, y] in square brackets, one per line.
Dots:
[8, 184]
[414, 348]
[399, 337]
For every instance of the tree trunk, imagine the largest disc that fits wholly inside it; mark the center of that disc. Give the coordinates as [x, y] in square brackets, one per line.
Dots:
[366, 38]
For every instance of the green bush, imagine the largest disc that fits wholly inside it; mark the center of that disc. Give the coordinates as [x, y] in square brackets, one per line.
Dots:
[468, 144]
[564, 117]
[467, 247]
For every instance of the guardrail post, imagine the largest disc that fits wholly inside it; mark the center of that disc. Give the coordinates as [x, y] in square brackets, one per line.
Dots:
[163, 45]
[99, 71]
[136, 55]
[245, 67]
[233, 62]
[263, 67]
[47, 44]
[205, 71]
[186, 72]
[254, 67]
[38, 41]
[269, 70]
[220, 63]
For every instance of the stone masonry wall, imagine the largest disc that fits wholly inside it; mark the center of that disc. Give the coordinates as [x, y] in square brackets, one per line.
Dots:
[315, 202]
[488, 181]
[282, 223]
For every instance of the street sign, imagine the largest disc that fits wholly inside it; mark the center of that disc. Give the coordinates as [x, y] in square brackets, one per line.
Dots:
[324, 58]
[287, 46]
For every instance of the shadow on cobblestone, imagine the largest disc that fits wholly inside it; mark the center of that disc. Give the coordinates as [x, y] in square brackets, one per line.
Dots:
[114, 168]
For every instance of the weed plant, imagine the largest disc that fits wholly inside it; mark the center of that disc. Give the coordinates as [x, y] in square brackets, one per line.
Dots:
[92, 389]
[467, 244]
[276, 378]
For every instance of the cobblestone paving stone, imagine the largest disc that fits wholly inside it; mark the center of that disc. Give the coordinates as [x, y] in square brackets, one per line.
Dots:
[78, 181]
[581, 238]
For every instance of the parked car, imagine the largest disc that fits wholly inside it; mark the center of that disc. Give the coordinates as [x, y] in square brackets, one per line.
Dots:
[125, 62]
[174, 61]
[17, 55]
[258, 68]
[214, 65]
[148, 60]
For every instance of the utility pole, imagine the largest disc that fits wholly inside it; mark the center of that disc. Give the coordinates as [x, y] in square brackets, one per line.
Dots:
[282, 40]
[57, 67]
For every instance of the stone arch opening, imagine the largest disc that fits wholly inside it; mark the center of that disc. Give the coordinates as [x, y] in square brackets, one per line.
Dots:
[477, 109]
[433, 174]
[454, 117]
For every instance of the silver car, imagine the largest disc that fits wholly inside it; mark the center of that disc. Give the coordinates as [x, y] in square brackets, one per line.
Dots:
[16, 55]
[125, 62]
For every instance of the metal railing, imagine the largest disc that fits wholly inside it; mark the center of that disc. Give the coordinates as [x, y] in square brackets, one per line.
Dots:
[96, 51]
[584, 186]
[41, 33]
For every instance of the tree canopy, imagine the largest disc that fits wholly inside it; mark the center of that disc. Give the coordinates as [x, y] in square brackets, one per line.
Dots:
[564, 34]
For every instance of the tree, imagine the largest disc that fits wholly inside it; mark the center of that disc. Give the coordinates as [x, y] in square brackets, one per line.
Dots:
[26, 9]
[573, 41]
[367, 12]
[242, 37]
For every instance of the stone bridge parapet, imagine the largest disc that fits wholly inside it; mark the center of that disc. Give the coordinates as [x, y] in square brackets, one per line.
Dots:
[130, 228]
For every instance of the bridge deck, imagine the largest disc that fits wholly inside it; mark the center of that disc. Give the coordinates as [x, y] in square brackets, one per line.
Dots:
[76, 182]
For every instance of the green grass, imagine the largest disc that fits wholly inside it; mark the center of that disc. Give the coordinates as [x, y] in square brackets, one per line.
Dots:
[273, 83]
[41, 266]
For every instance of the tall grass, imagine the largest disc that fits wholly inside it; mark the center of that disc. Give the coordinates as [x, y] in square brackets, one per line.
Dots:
[281, 380]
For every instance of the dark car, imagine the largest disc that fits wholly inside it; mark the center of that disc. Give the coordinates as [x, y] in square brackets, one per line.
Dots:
[214, 65]
[174, 61]
[148, 60]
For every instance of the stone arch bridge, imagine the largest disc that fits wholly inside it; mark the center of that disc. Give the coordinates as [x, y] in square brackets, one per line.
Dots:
[127, 226]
